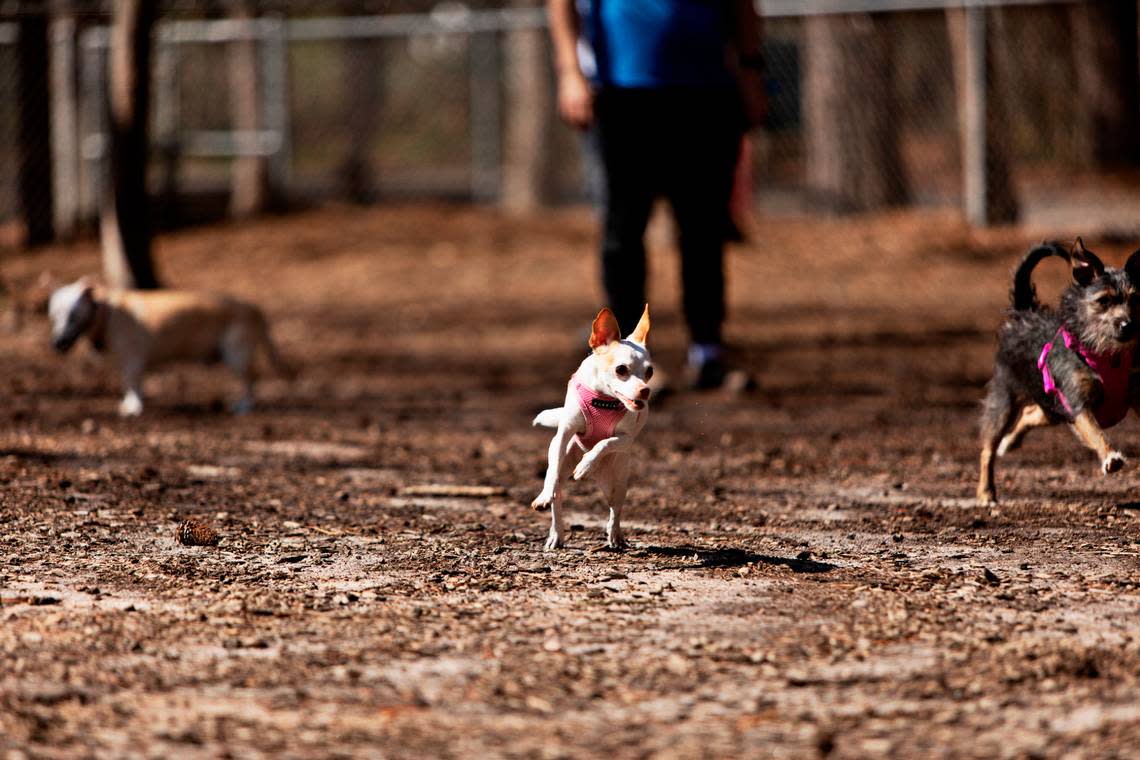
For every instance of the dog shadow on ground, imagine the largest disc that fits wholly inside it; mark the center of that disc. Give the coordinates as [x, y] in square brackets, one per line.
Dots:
[731, 557]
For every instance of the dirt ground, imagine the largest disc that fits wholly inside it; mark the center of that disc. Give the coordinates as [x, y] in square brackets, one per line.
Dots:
[808, 573]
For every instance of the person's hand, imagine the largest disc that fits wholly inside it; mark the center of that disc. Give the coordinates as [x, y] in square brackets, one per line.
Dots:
[753, 95]
[575, 99]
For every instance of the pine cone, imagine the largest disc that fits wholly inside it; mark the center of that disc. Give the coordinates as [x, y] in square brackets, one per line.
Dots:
[195, 533]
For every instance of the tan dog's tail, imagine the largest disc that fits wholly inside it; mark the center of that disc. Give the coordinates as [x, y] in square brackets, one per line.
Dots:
[280, 365]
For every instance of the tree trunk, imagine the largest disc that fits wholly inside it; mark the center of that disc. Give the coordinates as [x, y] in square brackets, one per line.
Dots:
[850, 114]
[529, 125]
[125, 224]
[35, 167]
[1107, 104]
[252, 192]
[1001, 205]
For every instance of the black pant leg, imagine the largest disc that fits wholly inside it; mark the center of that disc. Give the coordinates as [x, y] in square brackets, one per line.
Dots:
[705, 134]
[625, 137]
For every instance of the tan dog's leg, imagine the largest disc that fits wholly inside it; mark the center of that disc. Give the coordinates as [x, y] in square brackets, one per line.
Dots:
[1091, 435]
[237, 353]
[132, 403]
[1031, 416]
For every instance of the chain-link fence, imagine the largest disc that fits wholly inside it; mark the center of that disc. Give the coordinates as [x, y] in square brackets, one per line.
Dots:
[291, 103]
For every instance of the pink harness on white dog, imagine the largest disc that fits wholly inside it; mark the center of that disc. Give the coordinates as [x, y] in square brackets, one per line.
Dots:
[1111, 369]
[602, 413]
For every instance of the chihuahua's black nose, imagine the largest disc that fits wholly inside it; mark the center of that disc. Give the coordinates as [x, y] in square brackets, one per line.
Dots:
[643, 393]
[1126, 330]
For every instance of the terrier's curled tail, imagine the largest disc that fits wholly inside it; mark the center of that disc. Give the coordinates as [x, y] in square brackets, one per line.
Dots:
[1022, 295]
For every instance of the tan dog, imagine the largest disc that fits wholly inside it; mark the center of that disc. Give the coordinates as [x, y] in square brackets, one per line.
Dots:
[142, 329]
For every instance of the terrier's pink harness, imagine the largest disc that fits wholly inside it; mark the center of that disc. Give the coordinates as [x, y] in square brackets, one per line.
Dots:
[1112, 370]
[602, 413]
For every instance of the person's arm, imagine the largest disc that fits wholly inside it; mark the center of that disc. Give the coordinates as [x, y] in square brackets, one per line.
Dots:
[575, 98]
[747, 30]
[746, 42]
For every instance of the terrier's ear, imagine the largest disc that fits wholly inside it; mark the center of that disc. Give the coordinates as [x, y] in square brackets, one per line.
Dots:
[641, 332]
[47, 280]
[605, 329]
[1132, 267]
[1086, 266]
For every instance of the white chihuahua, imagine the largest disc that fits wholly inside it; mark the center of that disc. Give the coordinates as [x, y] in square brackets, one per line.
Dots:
[145, 328]
[606, 407]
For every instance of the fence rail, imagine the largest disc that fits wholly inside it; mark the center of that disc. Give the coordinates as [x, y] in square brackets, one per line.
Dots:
[803, 8]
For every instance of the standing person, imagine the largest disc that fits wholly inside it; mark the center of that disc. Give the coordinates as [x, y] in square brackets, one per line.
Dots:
[671, 86]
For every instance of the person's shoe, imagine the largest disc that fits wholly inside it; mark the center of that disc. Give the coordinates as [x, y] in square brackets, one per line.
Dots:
[705, 376]
[715, 374]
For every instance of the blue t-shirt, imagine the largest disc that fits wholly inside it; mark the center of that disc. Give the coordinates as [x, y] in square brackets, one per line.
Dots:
[657, 43]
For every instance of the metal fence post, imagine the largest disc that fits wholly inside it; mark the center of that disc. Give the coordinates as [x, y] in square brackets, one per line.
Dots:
[275, 80]
[975, 149]
[92, 121]
[486, 115]
[64, 126]
[166, 117]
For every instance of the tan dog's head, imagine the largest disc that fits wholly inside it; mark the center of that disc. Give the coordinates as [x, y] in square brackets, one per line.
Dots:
[622, 367]
[72, 311]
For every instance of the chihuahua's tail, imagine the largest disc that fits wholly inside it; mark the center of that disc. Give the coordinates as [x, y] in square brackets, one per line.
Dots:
[280, 365]
[1022, 295]
[550, 418]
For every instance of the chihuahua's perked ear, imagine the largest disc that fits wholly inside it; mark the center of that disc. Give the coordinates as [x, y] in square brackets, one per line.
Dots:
[605, 329]
[641, 332]
[1086, 266]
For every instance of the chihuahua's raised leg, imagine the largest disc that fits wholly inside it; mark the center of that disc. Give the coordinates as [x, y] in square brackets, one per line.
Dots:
[1032, 416]
[1091, 435]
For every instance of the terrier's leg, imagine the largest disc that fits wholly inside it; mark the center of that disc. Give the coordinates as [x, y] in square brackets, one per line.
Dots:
[997, 416]
[1032, 416]
[1091, 435]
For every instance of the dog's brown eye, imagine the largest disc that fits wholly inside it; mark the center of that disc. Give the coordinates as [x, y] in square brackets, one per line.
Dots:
[621, 370]
[1104, 301]
[648, 372]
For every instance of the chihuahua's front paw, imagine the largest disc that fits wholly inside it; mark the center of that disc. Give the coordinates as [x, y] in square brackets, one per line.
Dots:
[543, 501]
[616, 541]
[585, 467]
[554, 541]
[131, 406]
[987, 497]
[1114, 462]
